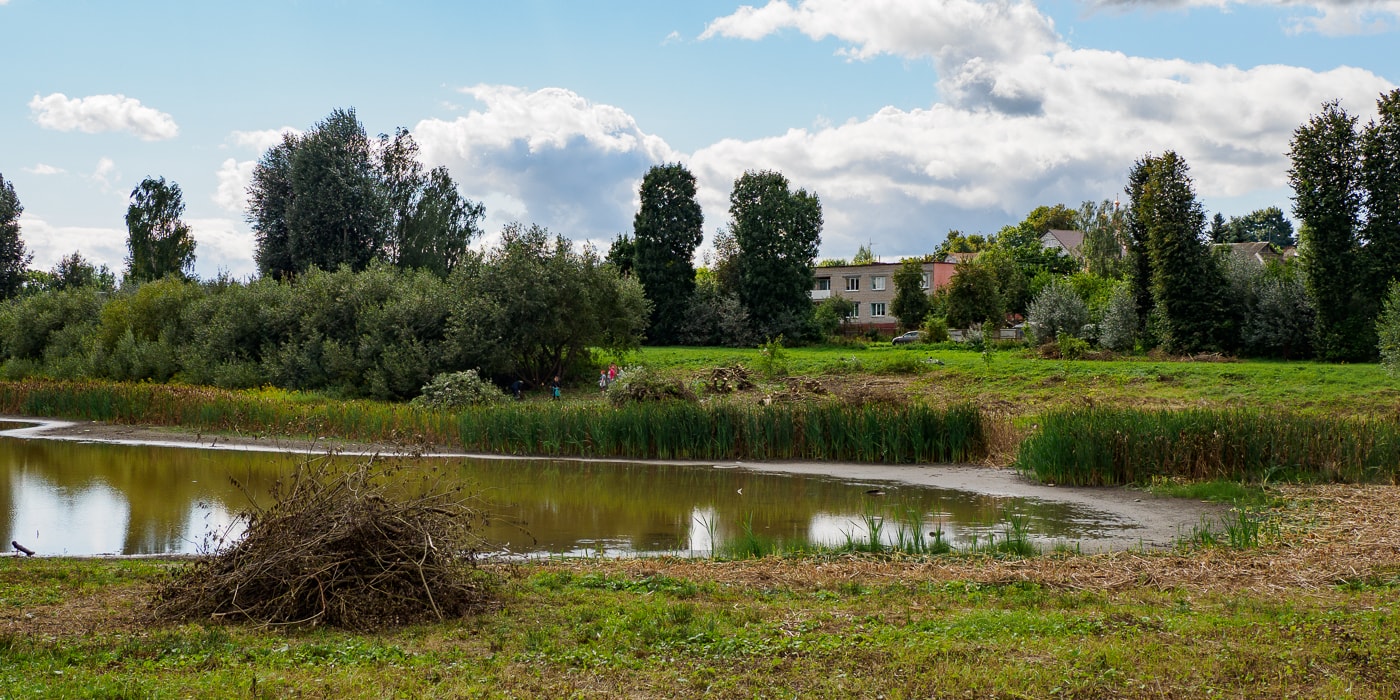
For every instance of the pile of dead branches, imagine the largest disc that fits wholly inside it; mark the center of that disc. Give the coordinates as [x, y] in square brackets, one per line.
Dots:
[724, 380]
[358, 549]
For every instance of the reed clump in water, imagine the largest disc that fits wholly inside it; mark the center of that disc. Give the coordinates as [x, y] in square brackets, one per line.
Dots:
[1107, 446]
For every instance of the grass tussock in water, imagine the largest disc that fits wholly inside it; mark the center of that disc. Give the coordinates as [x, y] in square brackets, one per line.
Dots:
[1106, 446]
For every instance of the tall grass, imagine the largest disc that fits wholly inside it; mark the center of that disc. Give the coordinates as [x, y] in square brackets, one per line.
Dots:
[1104, 446]
[667, 430]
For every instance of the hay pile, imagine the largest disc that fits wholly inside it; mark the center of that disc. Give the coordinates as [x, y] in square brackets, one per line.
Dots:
[336, 548]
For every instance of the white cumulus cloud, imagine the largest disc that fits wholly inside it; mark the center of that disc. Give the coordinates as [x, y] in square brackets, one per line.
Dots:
[222, 245]
[100, 113]
[49, 243]
[45, 169]
[106, 172]
[262, 139]
[549, 157]
[233, 177]
[1016, 129]
[948, 30]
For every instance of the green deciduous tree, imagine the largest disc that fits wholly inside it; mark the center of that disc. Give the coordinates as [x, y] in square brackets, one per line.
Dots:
[1056, 310]
[958, 242]
[14, 259]
[1102, 224]
[1388, 330]
[339, 212]
[777, 232]
[430, 222]
[534, 306]
[1266, 225]
[864, 256]
[1327, 197]
[972, 297]
[667, 229]
[159, 242]
[910, 304]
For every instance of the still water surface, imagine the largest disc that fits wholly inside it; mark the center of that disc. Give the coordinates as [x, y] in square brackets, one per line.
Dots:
[75, 498]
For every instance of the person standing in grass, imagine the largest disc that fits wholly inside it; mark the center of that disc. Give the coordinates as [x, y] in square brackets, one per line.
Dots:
[603, 380]
[554, 388]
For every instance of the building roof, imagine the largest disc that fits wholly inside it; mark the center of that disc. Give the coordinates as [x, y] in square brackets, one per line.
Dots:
[1069, 240]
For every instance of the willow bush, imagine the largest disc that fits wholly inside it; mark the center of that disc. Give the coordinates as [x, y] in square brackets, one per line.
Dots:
[1104, 446]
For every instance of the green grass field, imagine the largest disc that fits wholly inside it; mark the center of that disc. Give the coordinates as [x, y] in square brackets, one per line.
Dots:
[1017, 382]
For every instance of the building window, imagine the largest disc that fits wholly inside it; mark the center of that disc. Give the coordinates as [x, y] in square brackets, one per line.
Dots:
[855, 310]
[877, 284]
[853, 284]
[877, 308]
[923, 284]
[823, 284]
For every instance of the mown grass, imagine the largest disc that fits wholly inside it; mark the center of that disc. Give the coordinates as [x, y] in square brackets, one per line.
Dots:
[601, 630]
[1105, 446]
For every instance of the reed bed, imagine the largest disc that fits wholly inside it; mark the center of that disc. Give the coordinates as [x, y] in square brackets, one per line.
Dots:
[1110, 446]
[667, 430]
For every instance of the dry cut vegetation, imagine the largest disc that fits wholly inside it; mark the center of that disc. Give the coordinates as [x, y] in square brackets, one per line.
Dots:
[346, 549]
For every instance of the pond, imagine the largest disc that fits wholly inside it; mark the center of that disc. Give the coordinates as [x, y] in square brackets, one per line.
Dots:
[75, 498]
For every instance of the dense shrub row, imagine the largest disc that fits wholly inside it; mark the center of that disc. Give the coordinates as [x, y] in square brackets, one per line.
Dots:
[381, 333]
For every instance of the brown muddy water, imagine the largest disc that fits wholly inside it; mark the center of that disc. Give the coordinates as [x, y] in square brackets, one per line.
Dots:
[77, 498]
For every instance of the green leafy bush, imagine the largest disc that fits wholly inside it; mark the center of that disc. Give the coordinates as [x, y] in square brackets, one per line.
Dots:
[935, 329]
[1071, 348]
[1118, 329]
[1388, 330]
[457, 390]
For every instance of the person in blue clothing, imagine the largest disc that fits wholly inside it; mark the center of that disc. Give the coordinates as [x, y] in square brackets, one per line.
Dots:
[554, 388]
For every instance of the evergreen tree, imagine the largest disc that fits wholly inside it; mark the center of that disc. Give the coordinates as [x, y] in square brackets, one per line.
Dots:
[777, 232]
[1139, 266]
[910, 304]
[1326, 176]
[14, 260]
[667, 229]
[1220, 230]
[1266, 225]
[1380, 177]
[158, 242]
[1185, 282]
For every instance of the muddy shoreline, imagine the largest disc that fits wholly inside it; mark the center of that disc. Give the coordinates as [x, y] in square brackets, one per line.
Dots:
[1141, 520]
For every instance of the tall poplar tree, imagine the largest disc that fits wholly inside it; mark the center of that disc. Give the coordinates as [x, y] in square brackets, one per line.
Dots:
[777, 232]
[158, 241]
[1380, 177]
[1186, 285]
[666, 231]
[14, 260]
[1326, 177]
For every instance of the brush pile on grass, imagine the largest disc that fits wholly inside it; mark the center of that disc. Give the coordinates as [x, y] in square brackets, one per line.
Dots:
[641, 384]
[725, 380]
[339, 548]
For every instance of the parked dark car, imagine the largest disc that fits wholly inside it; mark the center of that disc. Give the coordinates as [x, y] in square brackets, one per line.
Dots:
[910, 337]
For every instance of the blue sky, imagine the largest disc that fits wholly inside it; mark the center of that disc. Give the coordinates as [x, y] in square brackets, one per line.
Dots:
[907, 117]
